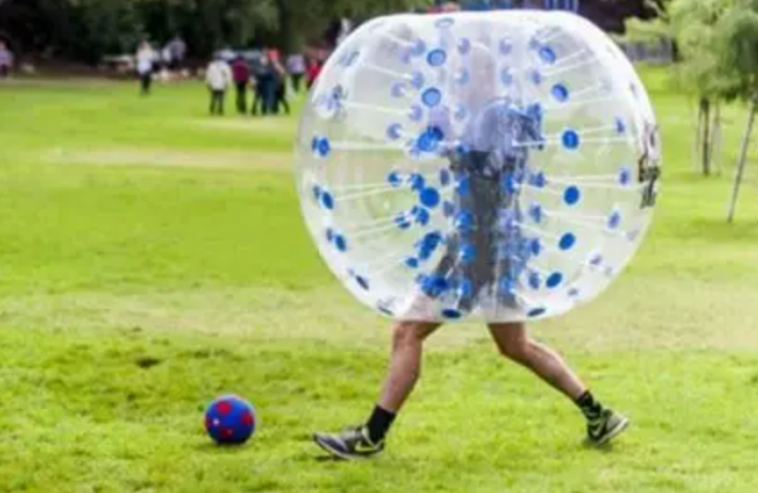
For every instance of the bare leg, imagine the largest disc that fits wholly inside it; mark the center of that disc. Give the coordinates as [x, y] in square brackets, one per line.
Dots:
[405, 365]
[514, 343]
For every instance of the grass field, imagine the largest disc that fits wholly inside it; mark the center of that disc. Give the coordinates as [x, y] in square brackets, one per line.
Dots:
[152, 258]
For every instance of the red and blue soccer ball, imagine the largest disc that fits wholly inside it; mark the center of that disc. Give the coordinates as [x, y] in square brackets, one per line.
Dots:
[230, 420]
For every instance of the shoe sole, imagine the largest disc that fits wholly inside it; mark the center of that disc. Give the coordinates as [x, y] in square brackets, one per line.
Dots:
[334, 453]
[613, 433]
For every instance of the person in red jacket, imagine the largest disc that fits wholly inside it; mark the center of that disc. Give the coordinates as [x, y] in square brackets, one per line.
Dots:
[241, 77]
[313, 71]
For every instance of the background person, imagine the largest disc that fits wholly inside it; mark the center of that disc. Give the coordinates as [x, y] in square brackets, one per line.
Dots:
[146, 58]
[241, 75]
[265, 86]
[177, 50]
[280, 83]
[6, 60]
[296, 69]
[218, 77]
[312, 72]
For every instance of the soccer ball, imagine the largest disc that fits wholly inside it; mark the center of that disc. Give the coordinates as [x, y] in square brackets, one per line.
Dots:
[230, 420]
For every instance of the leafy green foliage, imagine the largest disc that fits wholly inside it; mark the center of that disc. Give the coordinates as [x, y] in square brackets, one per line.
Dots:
[89, 29]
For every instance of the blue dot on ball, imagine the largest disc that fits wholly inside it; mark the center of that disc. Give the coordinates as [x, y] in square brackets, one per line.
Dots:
[625, 176]
[547, 54]
[567, 241]
[362, 282]
[397, 89]
[327, 200]
[422, 216]
[419, 47]
[614, 221]
[393, 178]
[538, 180]
[340, 242]
[416, 113]
[535, 281]
[418, 182]
[506, 77]
[560, 93]
[463, 77]
[464, 221]
[431, 97]
[444, 177]
[536, 312]
[468, 254]
[394, 131]
[572, 195]
[230, 420]
[620, 126]
[571, 140]
[452, 314]
[554, 280]
[466, 288]
[535, 247]
[417, 80]
[429, 197]
[411, 263]
[464, 187]
[506, 286]
[436, 58]
[464, 46]
[448, 209]
[536, 213]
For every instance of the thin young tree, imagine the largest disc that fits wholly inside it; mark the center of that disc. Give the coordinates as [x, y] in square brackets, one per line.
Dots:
[738, 46]
[691, 26]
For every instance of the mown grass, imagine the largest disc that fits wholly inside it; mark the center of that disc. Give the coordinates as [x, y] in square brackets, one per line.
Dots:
[152, 258]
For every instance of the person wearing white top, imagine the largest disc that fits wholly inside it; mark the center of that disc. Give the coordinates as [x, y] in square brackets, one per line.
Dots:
[6, 60]
[219, 78]
[296, 69]
[145, 66]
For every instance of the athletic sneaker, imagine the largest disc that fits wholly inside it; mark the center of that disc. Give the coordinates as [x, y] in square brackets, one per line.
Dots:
[607, 427]
[353, 443]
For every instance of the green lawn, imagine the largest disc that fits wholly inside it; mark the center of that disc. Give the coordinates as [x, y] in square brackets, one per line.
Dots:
[152, 258]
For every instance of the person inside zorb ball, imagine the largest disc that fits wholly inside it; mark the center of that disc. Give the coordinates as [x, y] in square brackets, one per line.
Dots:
[499, 166]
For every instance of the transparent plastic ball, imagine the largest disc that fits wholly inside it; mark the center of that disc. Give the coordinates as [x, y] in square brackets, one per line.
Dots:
[500, 166]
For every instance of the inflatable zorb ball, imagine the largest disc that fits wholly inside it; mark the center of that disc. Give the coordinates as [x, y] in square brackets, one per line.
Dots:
[500, 165]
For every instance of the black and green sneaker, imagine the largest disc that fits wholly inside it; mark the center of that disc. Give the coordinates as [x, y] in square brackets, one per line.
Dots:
[607, 427]
[353, 443]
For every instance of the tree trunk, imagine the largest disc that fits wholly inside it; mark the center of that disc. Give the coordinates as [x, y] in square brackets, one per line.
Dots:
[698, 136]
[705, 105]
[715, 157]
[743, 158]
[289, 39]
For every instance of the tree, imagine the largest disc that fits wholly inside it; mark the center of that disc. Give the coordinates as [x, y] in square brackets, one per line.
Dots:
[88, 29]
[739, 47]
[693, 27]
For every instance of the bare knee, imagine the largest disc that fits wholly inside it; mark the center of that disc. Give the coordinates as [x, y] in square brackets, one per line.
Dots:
[513, 343]
[411, 333]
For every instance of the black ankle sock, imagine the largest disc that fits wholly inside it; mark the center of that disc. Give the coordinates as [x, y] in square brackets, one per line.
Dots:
[591, 408]
[379, 424]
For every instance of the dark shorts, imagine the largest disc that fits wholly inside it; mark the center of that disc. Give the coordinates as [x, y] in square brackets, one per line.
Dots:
[481, 256]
